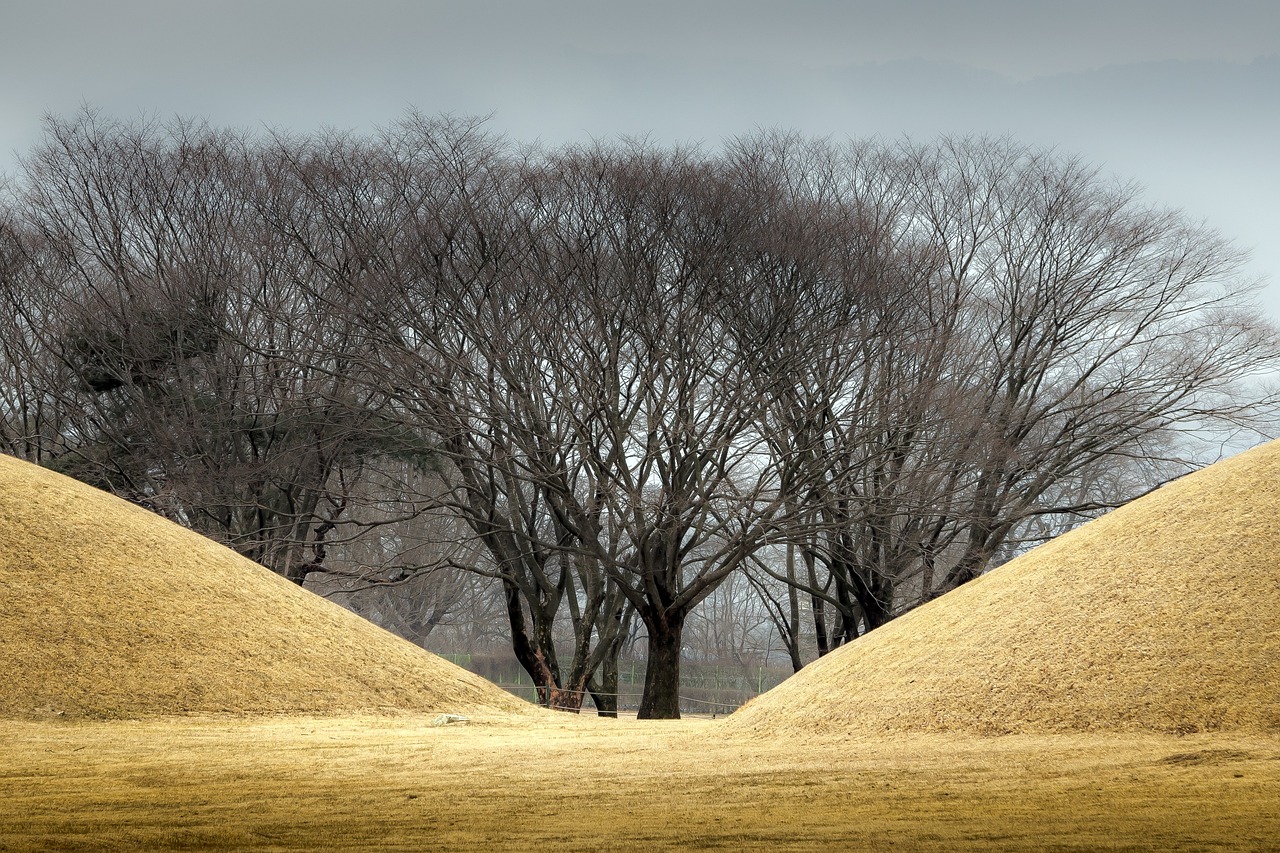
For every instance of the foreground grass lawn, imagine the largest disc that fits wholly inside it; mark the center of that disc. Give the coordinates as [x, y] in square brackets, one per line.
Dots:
[558, 781]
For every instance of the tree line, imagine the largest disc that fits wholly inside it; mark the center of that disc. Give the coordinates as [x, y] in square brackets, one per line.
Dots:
[600, 380]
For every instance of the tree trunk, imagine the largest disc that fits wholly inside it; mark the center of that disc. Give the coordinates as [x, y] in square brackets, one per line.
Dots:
[792, 635]
[819, 605]
[605, 694]
[561, 700]
[530, 655]
[661, 700]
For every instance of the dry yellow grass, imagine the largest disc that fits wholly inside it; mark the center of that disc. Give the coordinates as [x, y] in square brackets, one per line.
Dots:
[107, 610]
[1137, 658]
[1163, 615]
[555, 782]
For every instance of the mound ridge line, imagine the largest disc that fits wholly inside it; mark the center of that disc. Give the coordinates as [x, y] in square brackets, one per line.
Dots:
[107, 610]
[1163, 615]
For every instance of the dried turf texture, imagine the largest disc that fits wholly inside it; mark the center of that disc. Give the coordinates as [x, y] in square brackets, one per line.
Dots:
[559, 782]
[107, 610]
[1162, 616]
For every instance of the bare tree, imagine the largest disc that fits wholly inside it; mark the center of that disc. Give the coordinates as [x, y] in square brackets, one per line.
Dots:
[663, 478]
[190, 371]
[610, 383]
[1040, 326]
[435, 217]
[30, 419]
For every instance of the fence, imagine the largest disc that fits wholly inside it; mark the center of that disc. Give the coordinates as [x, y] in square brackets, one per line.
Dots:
[705, 688]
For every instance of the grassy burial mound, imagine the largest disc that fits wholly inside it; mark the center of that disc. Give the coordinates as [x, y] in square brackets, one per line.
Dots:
[107, 610]
[1163, 616]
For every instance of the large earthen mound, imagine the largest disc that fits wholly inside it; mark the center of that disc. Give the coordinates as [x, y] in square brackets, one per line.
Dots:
[1163, 615]
[107, 610]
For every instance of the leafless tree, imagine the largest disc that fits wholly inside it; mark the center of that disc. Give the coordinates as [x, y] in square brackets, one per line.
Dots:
[190, 371]
[423, 240]
[664, 480]
[30, 422]
[610, 383]
[1039, 326]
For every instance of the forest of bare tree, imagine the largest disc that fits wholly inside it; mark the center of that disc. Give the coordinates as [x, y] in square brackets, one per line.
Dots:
[615, 399]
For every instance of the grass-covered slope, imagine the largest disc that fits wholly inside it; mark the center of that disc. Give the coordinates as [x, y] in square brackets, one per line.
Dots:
[1163, 615]
[108, 610]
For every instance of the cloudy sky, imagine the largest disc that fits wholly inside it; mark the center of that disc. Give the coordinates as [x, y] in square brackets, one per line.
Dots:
[1182, 96]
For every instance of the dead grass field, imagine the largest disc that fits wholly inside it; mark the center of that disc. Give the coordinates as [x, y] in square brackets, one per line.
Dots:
[1114, 690]
[558, 782]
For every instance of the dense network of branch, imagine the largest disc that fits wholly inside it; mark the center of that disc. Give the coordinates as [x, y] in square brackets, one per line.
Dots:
[610, 378]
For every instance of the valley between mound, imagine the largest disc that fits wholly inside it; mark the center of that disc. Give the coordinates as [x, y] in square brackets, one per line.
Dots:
[107, 610]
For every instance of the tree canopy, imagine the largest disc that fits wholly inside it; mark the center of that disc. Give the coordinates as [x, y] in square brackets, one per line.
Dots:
[610, 377]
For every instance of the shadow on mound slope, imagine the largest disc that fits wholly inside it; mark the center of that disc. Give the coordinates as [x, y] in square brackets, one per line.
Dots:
[109, 610]
[1163, 615]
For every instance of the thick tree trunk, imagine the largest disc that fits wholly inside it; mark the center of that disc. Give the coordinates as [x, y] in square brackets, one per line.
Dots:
[531, 656]
[661, 699]
[561, 700]
[876, 601]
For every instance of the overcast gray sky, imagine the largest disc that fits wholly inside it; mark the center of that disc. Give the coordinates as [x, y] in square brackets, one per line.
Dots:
[1182, 96]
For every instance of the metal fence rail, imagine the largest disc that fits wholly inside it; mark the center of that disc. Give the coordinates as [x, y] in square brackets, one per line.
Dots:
[526, 691]
[705, 687]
